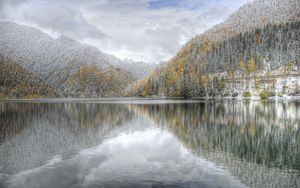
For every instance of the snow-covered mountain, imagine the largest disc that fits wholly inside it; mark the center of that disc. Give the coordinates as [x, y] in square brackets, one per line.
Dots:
[56, 60]
[255, 14]
[261, 37]
[52, 59]
[18, 82]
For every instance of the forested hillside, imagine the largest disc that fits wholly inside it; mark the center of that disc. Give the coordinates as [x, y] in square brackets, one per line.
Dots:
[255, 51]
[16, 81]
[261, 38]
[71, 68]
[92, 81]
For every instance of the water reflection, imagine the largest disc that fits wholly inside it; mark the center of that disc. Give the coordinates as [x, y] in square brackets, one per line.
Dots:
[32, 133]
[262, 133]
[257, 142]
[207, 144]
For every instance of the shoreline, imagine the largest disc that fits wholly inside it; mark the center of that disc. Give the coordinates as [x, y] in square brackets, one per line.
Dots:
[149, 99]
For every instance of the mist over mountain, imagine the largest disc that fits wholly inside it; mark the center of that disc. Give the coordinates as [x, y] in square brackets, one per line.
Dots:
[138, 68]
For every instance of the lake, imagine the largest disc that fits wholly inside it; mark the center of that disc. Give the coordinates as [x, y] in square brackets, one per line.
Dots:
[149, 143]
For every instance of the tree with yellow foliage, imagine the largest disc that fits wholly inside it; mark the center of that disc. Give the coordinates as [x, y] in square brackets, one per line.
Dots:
[242, 65]
[252, 66]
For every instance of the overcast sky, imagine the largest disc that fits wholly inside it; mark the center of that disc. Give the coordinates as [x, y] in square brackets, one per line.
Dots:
[147, 30]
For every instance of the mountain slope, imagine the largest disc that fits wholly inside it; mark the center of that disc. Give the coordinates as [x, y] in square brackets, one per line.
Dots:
[17, 81]
[51, 59]
[93, 81]
[56, 61]
[254, 15]
[260, 39]
[138, 69]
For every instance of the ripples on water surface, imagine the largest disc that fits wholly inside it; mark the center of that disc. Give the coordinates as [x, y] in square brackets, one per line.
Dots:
[149, 144]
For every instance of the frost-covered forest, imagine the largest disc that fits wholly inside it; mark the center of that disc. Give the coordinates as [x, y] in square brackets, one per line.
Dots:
[255, 51]
[259, 39]
[58, 61]
[17, 81]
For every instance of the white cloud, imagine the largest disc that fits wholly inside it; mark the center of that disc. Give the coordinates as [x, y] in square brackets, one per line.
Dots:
[125, 28]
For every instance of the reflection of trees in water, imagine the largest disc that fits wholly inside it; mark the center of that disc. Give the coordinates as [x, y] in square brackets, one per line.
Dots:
[252, 174]
[247, 137]
[32, 133]
[11, 121]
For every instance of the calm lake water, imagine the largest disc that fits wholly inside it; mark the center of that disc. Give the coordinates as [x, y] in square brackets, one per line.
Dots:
[140, 143]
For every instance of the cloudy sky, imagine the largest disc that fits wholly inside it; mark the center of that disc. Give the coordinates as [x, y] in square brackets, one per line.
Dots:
[147, 30]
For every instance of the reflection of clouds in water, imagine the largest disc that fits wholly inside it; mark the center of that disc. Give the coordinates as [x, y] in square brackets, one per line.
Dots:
[133, 154]
[141, 158]
[34, 133]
